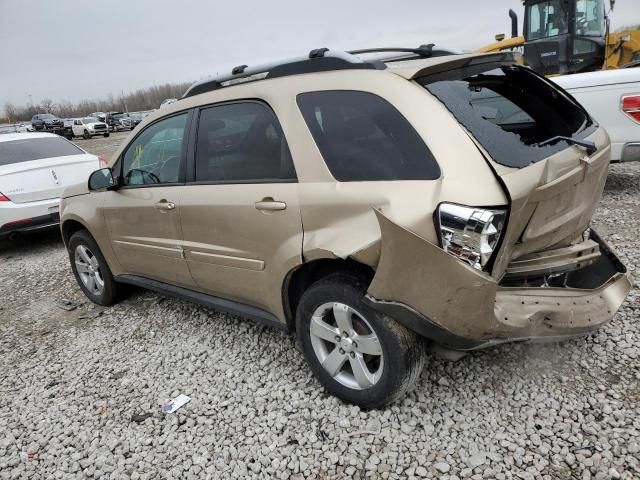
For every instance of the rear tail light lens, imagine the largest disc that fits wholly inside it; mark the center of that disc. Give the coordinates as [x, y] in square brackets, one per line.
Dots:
[3, 198]
[631, 106]
[103, 162]
[469, 233]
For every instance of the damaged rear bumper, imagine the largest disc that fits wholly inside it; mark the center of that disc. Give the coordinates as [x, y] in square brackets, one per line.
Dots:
[455, 305]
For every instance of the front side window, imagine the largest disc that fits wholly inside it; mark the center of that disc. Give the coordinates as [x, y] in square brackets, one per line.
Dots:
[546, 19]
[241, 142]
[154, 157]
[362, 137]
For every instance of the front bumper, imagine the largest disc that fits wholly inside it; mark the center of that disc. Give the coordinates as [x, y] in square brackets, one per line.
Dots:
[446, 301]
[28, 217]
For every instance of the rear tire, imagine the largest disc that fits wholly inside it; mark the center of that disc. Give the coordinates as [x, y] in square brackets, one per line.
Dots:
[91, 270]
[378, 371]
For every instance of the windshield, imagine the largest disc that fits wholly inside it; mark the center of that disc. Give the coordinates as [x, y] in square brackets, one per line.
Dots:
[90, 120]
[590, 18]
[546, 19]
[47, 116]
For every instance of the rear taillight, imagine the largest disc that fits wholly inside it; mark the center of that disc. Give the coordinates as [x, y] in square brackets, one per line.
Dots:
[3, 198]
[631, 106]
[103, 162]
[470, 233]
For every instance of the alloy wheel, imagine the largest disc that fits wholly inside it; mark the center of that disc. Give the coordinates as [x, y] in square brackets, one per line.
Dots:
[89, 270]
[346, 345]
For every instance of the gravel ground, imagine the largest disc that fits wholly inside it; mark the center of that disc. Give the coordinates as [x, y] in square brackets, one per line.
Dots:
[76, 386]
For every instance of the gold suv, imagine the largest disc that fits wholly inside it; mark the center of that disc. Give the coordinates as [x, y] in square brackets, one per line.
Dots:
[365, 201]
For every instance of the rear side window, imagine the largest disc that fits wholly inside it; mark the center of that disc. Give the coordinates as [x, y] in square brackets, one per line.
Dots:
[27, 149]
[242, 142]
[362, 137]
[511, 111]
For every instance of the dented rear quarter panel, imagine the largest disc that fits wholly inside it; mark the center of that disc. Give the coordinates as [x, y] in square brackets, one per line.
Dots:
[339, 218]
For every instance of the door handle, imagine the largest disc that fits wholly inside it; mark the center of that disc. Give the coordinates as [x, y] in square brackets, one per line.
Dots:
[164, 205]
[270, 205]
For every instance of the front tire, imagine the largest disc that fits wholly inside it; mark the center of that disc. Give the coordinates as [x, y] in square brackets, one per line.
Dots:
[360, 355]
[91, 270]
[106, 135]
[86, 135]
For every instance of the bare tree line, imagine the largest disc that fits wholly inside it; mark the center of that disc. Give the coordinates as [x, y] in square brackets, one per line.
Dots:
[140, 100]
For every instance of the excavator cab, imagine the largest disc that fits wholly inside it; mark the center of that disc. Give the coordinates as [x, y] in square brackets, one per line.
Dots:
[564, 36]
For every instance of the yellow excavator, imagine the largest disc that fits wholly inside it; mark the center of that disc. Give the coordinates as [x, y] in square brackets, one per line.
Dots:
[569, 36]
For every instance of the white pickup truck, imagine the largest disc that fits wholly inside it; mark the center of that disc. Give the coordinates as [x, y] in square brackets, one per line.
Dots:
[612, 97]
[88, 127]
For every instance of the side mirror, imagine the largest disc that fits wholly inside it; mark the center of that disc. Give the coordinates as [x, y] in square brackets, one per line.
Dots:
[101, 180]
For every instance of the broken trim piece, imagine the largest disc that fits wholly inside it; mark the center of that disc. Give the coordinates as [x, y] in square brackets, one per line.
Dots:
[420, 324]
[554, 261]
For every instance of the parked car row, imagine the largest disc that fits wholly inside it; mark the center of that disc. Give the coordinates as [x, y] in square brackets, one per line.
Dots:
[97, 123]
[120, 121]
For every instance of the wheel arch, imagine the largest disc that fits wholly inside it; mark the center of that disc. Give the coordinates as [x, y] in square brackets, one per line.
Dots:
[302, 277]
[71, 226]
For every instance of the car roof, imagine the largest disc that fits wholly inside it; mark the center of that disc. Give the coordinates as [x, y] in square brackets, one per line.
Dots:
[7, 137]
[409, 63]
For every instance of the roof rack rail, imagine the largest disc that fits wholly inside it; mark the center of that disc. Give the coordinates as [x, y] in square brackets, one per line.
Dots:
[423, 51]
[318, 60]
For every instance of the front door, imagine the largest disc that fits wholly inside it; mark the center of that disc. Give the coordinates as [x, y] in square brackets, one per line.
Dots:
[241, 216]
[143, 215]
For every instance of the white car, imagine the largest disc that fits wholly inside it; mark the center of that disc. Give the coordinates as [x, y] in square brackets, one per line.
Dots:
[612, 97]
[34, 170]
[88, 127]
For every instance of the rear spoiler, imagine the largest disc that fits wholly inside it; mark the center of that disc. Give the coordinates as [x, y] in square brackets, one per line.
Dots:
[442, 65]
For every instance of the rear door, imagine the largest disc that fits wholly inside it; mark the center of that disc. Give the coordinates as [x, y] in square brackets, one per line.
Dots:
[34, 168]
[143, 215]
[241, 215]
[527, 127]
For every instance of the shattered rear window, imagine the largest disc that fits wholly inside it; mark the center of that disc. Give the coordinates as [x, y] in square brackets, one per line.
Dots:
[510, 111]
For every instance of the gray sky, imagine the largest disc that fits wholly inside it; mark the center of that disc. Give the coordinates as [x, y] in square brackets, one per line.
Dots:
[69, 49]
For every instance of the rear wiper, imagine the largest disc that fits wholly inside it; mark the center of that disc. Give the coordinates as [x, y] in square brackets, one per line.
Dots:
[588, 145]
